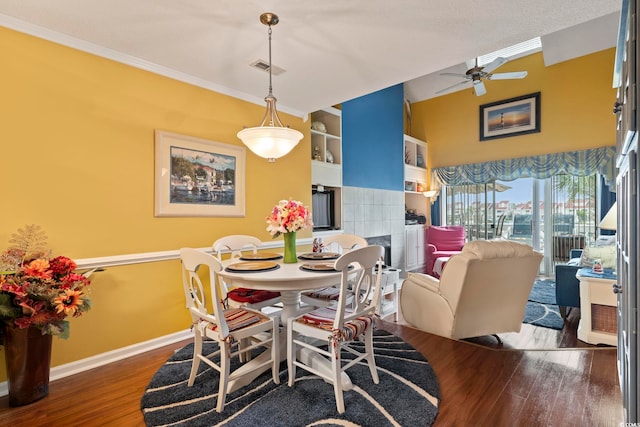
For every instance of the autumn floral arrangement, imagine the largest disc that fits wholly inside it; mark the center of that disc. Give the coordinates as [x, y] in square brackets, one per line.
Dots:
[37, 290]
[288, 216]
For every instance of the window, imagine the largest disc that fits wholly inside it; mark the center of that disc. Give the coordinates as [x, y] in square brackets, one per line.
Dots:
[517, 210]
[512, 52]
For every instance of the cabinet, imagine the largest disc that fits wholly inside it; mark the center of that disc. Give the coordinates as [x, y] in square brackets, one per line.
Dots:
[628, 236]
[415, 174]
[414, 247]
[416, 204]
[326, 164]
[598, 322]
[628, 273]
[625, 76]
[415, 152]
[391, 285]
[326, 148]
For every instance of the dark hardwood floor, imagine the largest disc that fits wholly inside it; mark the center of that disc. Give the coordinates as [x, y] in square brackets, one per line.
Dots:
[556, 381]
[538, 377]
[536, 338]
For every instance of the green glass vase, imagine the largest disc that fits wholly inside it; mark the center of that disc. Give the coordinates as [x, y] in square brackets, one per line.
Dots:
[290, 248]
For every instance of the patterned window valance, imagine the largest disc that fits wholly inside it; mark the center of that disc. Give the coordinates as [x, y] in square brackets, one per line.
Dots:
[578, 163]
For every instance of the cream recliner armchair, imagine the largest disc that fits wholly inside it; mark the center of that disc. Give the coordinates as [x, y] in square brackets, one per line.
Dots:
[482, 291]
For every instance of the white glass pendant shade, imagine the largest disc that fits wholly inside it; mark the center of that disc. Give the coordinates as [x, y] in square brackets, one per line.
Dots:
[270, 142]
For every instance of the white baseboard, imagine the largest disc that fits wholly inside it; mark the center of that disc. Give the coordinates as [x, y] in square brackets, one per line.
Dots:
[102, 359]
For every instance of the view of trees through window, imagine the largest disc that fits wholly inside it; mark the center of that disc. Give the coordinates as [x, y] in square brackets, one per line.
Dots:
[553, 215]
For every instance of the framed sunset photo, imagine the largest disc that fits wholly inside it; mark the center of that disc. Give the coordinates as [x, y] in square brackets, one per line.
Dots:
[510, 117]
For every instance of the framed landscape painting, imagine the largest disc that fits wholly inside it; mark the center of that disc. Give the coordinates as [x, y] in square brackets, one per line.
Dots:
[198, 177]
[510, 117]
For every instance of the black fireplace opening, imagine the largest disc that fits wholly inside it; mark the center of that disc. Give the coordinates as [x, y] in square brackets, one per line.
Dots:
[385, 242]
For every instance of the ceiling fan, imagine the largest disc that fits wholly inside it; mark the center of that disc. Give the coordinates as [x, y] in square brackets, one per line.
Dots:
[476, 74]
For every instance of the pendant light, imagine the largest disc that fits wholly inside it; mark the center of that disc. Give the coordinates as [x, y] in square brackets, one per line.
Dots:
[271, 139]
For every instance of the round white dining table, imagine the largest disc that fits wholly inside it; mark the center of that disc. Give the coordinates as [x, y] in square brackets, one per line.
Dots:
[290, 280]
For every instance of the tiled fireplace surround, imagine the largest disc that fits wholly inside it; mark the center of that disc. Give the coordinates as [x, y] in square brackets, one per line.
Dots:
[369, 212]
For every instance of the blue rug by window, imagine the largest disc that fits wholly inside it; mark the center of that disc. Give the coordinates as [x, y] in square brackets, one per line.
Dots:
[541, 307]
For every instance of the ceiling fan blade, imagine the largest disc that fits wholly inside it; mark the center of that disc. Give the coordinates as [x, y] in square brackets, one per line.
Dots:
[507, 76]
[494, 64]
[451, 87]
[479, 88]
[462, 76]
[471, 63]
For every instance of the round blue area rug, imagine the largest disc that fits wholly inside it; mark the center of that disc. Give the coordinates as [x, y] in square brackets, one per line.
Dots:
[408, 394]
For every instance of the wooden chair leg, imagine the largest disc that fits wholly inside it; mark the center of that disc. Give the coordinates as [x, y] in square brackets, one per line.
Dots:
[197, 352]
[291, 352]
[275, 353]
[370, 357]
[225, 368]
[244, 356]
[337, 380]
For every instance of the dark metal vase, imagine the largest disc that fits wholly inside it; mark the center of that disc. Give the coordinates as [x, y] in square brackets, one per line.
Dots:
[28, 360]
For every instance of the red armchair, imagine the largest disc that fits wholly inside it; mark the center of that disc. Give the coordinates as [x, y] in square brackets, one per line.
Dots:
[441, 242]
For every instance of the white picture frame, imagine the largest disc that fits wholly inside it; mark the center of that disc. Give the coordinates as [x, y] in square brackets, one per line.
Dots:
[198, 177]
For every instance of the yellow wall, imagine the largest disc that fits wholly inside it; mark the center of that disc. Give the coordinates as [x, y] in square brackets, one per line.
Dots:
[576, 100]
[77, 138]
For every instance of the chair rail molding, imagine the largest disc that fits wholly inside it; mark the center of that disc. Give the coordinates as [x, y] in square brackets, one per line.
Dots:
[144, 257]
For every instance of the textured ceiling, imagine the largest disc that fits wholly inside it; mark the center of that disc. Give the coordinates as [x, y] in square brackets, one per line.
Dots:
[331, 51]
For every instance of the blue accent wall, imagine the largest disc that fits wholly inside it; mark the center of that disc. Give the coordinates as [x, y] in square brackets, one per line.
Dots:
[372, 140]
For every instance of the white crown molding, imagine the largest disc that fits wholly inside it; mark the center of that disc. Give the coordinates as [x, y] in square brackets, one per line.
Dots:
[85, 46]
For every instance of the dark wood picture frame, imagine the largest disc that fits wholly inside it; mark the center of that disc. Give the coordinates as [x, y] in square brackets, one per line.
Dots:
[510, 117]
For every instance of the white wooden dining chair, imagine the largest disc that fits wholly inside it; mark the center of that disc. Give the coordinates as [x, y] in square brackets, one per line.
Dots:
[337, 327]
[340, 243]
[225, 326]
[235, 244]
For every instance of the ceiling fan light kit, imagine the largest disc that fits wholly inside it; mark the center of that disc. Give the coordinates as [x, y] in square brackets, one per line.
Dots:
[271, 139]
[477, 74]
